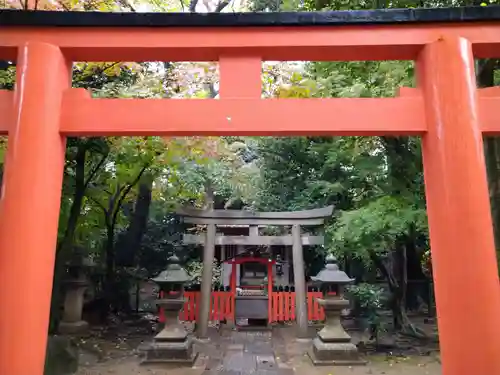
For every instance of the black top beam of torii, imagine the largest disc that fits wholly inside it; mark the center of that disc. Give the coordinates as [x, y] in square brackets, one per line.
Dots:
[10, 18]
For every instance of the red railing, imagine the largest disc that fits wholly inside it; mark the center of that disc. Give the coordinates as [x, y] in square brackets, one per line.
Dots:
[221, 307]
[281, 307]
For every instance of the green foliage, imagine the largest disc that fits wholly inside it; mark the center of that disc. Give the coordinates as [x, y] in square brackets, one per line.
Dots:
[365, 79]
[7, 77]
[375, 227]
[195, 269]
[368, 299]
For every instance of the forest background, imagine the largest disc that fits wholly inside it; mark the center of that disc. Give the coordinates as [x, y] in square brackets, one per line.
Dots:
[120, 194]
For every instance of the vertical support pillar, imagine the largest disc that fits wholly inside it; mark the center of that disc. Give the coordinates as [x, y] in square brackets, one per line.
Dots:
[253, 231]
[270, 267]
[300, 283]
[233, 84]
[223, 265]
[233, 275]
[31, 193]
[462, 244]
[233, 288]
[206, 282]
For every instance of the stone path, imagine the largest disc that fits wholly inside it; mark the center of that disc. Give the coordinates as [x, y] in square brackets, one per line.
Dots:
[243, 353]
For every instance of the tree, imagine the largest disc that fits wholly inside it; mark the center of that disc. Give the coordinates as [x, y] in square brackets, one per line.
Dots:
[374, 182]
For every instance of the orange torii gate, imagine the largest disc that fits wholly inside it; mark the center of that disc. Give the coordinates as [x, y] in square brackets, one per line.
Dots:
[446, 110]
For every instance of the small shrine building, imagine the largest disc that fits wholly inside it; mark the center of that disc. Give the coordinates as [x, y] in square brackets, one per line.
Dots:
[254, 262]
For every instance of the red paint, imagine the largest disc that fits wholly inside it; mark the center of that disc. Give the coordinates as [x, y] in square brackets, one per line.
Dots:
[31, 197]
[458, 204]
[220, 307]
[283, 307]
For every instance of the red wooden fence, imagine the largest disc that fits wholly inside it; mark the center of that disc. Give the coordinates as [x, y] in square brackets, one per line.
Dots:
[221, 307]
[281, 307]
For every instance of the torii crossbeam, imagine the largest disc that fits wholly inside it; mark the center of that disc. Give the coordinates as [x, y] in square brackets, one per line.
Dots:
[446, 110]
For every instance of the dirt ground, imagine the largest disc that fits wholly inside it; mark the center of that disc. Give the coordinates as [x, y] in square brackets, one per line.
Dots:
[376, 366]
[115, 352]
[380, 365]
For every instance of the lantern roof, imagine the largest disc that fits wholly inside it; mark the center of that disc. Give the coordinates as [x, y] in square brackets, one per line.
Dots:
[173, 274]
[331, 274]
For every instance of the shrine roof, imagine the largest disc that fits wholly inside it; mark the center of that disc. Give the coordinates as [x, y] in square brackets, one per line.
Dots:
[331, 18]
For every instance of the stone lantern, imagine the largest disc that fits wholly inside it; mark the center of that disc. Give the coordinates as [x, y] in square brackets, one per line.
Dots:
[172, 344]
[75, 285]
[332, 345]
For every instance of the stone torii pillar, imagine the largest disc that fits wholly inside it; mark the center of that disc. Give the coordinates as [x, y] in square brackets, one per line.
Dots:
[300, 283]
[206, 282]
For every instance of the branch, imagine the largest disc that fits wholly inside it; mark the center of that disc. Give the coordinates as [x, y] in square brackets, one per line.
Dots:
[95, 170]
[99, 204]
[192, 5]
[125, 192]
[212, 90]
[128, 4]
[221, 5]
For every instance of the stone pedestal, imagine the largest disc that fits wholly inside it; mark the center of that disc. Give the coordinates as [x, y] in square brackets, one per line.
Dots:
[332, 346]
[172, 344]
[73, 304]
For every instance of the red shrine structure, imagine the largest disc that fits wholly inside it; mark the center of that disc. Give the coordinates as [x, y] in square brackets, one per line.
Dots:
[446, 109]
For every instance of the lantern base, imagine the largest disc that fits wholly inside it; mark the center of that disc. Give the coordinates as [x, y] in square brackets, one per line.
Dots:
[80, 326]
[180, 352]
[334, 354]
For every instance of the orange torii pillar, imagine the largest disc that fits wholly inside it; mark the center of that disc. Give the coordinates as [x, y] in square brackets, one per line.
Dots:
[31, 197]
[464, 261]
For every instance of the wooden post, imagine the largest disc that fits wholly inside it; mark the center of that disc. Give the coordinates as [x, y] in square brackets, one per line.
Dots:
[223, 265]
[233, 287]
[206, 282]
[253, 231]
[270, 289]
[463, 250]
[233, 276]
[300, 284]
[31, 192]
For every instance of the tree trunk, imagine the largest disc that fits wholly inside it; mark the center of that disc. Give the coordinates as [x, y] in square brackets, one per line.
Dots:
[401, 320]
[130, 242]
[65, 246]
[485, 78]
[109, 276]
[418, 291]
[111, 214]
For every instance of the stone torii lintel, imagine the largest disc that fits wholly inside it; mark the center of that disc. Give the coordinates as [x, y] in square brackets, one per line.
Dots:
[315, 216]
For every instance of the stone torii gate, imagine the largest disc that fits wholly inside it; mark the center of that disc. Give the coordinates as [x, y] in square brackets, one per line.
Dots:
[296, 219]
[446, 109]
